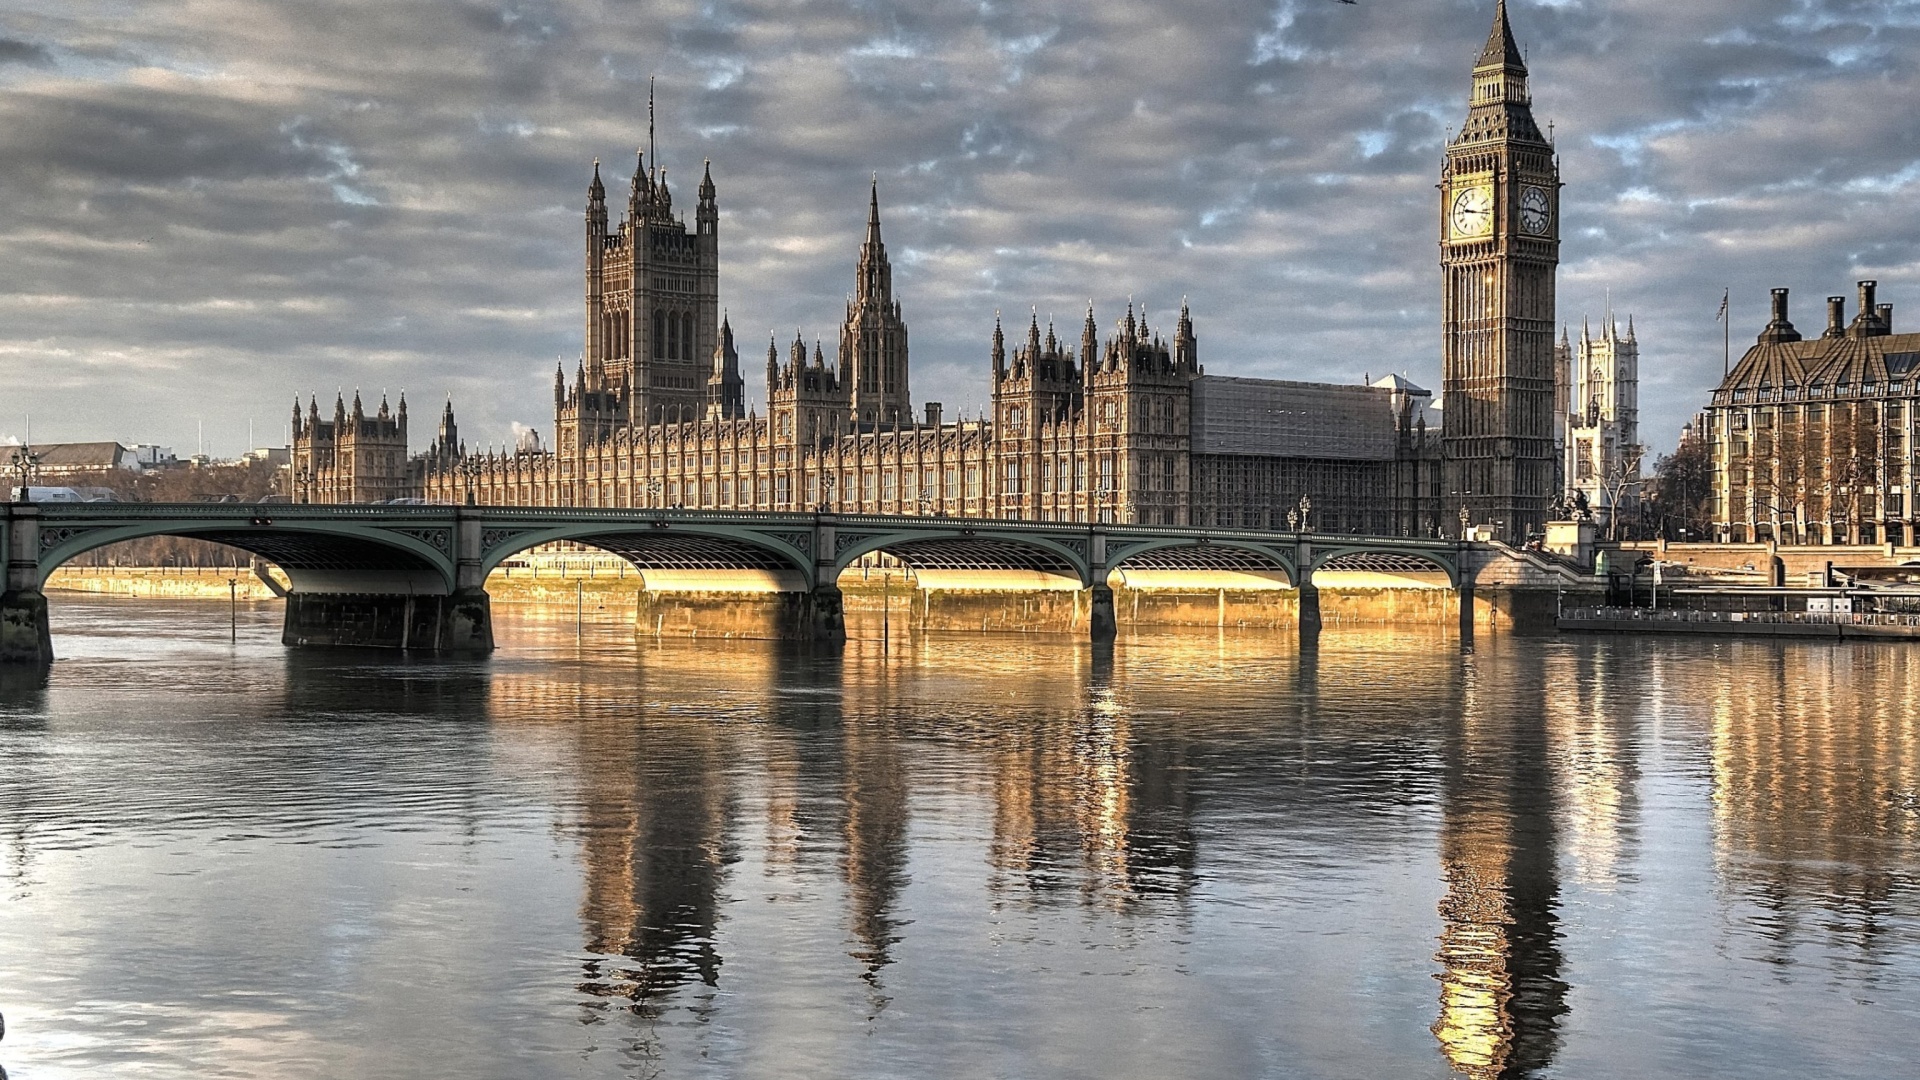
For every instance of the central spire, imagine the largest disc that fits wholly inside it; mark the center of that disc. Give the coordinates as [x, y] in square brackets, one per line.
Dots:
[875, 277]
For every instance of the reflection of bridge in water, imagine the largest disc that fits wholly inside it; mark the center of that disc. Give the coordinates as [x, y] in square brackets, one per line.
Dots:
[414, 576]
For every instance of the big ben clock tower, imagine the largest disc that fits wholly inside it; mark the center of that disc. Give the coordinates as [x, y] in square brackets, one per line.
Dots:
[1499, 249]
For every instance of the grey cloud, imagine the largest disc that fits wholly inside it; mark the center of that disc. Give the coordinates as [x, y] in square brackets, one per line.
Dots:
[23, 52]
[218, 203]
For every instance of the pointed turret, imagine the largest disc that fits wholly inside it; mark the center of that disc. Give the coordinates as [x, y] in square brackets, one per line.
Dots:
[707, 216]
[1033, 336]
[1089, 341]
[999, 350]
[1186, 347]
[359, 412]
[596, 211]
[726, 390]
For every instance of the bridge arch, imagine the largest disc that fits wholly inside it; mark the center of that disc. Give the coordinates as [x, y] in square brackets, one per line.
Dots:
[968, 547]
[1383, 560]
[666, 545]
[316, 556]
[1204, 553]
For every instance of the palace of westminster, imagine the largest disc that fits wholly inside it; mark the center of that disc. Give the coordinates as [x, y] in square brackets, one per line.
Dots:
[1123, 426]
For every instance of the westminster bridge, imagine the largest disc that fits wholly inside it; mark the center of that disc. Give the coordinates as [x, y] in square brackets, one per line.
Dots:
[414, 577]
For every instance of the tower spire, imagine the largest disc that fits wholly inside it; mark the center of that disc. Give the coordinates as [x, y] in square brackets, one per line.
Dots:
[1501, 51]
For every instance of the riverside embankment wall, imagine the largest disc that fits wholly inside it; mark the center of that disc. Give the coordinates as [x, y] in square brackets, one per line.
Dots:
[1509, 592]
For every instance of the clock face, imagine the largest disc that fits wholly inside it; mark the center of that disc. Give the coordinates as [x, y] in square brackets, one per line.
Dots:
[1472, 214]
[1536, 211]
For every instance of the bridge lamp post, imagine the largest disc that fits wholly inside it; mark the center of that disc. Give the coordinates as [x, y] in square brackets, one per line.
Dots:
[1104, 495]
[826, 492]
[1293, 521]
[470, 468]
[1466, 516]
[26, 464]
[654, 488]
[1306, 507]
[926, 503]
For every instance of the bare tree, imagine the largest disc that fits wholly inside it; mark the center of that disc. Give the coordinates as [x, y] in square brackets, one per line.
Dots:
[1621, 481]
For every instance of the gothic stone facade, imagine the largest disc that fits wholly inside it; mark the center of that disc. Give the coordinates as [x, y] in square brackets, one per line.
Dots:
[1101, 430]
[1597, 397]
[1500, 248]
[1812, 439]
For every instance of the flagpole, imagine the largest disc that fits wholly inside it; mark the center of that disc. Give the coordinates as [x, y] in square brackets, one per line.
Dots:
[1726, 334]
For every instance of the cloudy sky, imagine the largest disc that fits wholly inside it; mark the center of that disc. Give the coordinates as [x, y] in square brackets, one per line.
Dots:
[210, 205]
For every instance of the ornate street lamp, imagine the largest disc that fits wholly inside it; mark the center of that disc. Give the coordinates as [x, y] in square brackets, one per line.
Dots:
[1466, 515]
[470, 468]
[1293, 521]
[25, 463]
[826, 493]
[1306, 507]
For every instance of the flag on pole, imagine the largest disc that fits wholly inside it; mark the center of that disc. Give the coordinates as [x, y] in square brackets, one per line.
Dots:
[1723, 306]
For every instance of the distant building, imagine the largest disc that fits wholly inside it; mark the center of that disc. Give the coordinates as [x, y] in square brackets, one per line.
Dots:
[352, 458]
[1812, 439]
[148, 456]
[1598, 387]
[56, 460]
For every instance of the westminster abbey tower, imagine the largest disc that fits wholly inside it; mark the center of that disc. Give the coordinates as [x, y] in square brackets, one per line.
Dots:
[1500, 248]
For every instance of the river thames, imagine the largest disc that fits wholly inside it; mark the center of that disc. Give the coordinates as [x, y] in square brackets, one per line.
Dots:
[1196, 855]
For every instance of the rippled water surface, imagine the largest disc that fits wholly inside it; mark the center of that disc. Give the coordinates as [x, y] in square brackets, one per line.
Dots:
[964, 856]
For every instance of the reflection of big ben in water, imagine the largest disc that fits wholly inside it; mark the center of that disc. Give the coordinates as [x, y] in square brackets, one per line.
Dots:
[1501, 995]
[1500, 248]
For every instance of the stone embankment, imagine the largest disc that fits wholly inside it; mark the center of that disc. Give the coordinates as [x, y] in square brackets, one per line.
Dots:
[162, 582]
[1511, 589]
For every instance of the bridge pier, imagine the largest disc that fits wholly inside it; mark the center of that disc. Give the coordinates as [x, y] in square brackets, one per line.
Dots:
[820, 614]
[459, 624]
[1309, 593]
[1466, 605]
[1102, 625]
[26, 635]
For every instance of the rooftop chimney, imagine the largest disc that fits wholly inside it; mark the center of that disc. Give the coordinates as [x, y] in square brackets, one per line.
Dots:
[1779, 329]
[933, 414]
[1863, 325]
[1885, 311]
[1836, 316]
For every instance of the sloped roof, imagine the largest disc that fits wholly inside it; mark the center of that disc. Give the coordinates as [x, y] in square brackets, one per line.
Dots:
[1825, 362]
[78, 455]
[1403, 385]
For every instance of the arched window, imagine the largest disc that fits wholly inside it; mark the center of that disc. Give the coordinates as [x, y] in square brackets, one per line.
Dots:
[686, 336]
